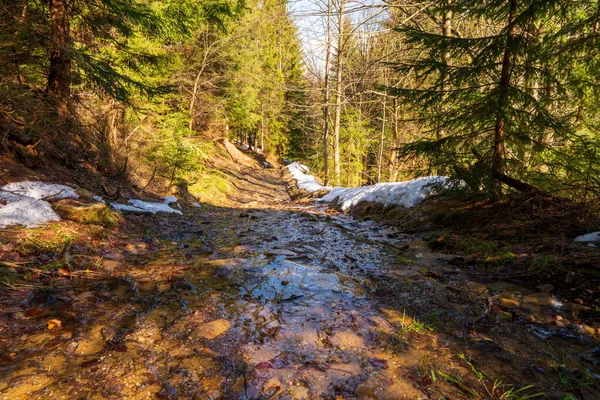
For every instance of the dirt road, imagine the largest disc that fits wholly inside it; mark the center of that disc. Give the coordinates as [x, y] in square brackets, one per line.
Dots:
[266, 299]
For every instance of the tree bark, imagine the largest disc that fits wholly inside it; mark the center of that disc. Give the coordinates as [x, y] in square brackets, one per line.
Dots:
[327, 99]
[338, 94]
[59, 74]
[381, 144]
[447, 32]
[394, 153]
[499, 130]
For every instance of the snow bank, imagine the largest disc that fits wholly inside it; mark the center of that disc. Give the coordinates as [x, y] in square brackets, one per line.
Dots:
[153, 207]
[140, 206]
[407, 194]
[24, 204]
[304, 180]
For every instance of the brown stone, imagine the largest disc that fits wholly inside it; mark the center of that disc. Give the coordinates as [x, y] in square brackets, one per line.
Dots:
[530, 318]
[506, 302]
[80, 211]
[588, 329]
[136, 248]
[540, 299]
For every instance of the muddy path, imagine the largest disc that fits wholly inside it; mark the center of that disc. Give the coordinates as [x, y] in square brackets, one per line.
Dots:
[266, 299]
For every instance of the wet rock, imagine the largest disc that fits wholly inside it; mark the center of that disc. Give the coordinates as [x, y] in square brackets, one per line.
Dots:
[587, 329]
[136, 248]
[530, 318]
[347, 339]
[560, 321]
[507, 302]
[80, 211]
[540, 299]
[211, 330]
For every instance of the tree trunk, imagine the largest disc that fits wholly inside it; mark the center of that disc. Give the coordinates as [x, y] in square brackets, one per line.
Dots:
[23, 22]
[262, 133]
[327, 98]
[447, 32]
[59, 74]
[381, 144]
[394, 154]
[338, 95]
[499, 130]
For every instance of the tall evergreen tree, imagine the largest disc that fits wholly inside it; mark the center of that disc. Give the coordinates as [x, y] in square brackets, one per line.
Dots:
[482, 89]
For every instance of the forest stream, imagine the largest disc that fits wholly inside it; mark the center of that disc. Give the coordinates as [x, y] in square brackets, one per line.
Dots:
[275, 300]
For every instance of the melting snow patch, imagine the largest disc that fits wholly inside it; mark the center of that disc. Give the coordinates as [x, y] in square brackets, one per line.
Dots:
[40, 190]
[304, 180]
[140, 206]
[588, 238]
[25, 205]
[26, 211]
[407, 194]
[153, 207]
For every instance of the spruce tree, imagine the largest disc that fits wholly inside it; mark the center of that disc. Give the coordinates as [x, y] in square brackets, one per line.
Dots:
[487, 89]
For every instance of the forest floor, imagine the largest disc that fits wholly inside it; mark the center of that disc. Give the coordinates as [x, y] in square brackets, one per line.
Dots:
[263, 298]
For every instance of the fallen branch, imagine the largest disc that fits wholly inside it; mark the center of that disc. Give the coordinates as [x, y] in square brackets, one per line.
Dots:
[53, 197]
[515, 183]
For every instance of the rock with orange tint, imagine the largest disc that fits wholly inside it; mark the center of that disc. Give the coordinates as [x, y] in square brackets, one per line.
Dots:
[54, 323]
[211, 330]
